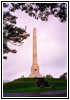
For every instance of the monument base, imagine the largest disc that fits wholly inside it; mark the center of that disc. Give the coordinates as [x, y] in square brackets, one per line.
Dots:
[35, 75]
[35, 71]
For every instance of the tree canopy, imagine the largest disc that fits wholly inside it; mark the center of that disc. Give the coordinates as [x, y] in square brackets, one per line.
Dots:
[15, 34]
[11, 33]
[42, 10]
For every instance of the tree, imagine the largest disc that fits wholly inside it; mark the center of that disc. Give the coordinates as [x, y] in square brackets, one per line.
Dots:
[22, 76]
[16, 35]
[42, 10]
[63, 76]
[49, 76]
[11, 33]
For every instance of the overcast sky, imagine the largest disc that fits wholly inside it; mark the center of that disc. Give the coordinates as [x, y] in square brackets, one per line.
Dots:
[51, 48]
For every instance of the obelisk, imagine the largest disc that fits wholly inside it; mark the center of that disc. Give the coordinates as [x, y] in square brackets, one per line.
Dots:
[35, 68]
[34, 47]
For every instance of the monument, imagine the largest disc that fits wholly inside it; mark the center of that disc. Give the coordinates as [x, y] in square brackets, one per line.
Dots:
[35, 68]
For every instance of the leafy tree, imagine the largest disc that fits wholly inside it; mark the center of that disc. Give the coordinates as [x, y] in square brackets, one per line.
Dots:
[42, 10]
[11, 33]
[16, 35]
[22, 76]
[49, 76]
[63, 76]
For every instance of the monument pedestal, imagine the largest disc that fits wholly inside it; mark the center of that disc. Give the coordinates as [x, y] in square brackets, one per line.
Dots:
[35, 71]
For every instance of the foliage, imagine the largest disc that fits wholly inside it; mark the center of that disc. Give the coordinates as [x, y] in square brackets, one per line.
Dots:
[41, 82]
[22, 76]
[42, 10]
[49, 76]
[63, 76]
[11, 33]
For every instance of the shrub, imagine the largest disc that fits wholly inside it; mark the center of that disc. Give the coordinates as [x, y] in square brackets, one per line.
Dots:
[41, 86]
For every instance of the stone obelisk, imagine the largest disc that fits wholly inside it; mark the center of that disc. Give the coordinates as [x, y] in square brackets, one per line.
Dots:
[35, 68]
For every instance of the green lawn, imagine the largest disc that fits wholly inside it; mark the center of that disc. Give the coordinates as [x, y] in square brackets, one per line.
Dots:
[28, 85]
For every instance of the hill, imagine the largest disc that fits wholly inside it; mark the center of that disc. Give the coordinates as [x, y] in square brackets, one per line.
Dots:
[32, 84]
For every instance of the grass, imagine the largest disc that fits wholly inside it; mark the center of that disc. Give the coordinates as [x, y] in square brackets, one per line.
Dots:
[28, 85]
[57, 82]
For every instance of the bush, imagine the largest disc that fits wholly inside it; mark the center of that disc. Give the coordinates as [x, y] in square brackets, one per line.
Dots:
[37, 82]
[49, 76]
[41, 86]
[63, 76]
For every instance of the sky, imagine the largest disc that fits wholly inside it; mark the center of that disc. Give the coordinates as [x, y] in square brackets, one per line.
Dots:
[51, 48]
